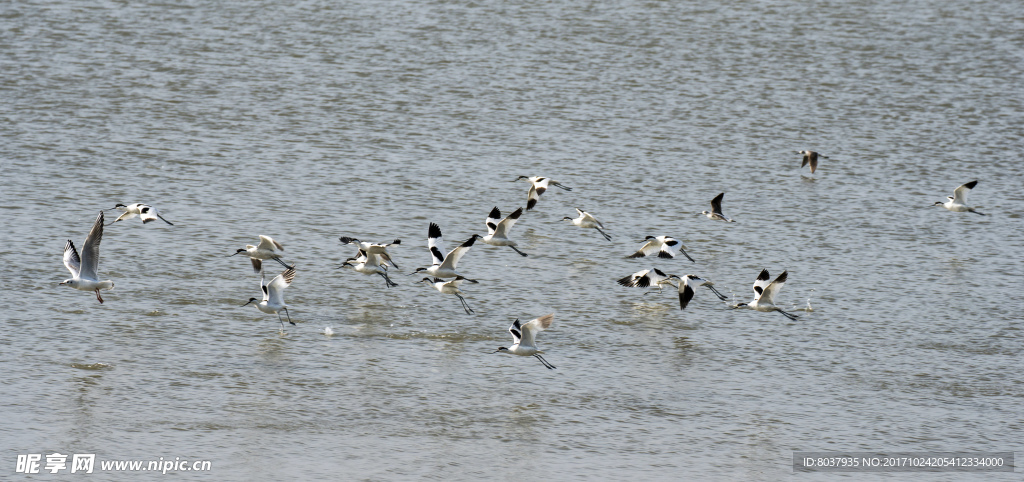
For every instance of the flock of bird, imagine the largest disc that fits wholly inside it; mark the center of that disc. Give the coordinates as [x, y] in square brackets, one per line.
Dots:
[442, 274]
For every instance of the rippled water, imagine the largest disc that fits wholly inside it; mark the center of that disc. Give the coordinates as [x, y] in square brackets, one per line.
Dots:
[311, 120]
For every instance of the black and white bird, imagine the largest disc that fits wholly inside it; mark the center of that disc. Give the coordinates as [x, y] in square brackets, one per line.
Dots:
[765, 292]
[958, 201]
[649, 278]
[83, 269]
[370, 264]
[537, 187]
[443, 264]
[523, 336]
[686, 284]
[267, 249]
[273, 295]
[498, 229]
[716, 210]
[379, 249]
[451, 288]
[810, 157]
[586, 220]
[662, 246]
[148, 213]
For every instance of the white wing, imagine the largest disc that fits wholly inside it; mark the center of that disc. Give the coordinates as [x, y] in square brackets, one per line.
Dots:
[148, 213]
[960, 194]
[587, 217]
[532, 197]
[773, 289]
[91, 250]
[275, 289]
[640, 279]
[506, 224]
[761, 282]
[532, 327]
[453, 257]
[269, 244]
[71, 259]
[435, 244]
[492, 220]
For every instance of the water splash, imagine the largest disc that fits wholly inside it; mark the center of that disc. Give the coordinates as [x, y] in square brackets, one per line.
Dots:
[328, 331]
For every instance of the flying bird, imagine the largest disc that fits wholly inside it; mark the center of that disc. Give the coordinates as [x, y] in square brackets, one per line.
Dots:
[810, 157]
[662, 246]
[958, 201]
[83, 269]
[443, 264]
[716, 210]
[273, 295]
[267, 249]
[523, 338]
[764, 294]
[498, 229]
[537, 187]
[148, 213]
[586, 220]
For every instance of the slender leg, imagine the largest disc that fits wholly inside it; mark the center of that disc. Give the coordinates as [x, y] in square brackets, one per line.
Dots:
[389, 260]
[545, 362]
[517, 250]
[387, 280]
[286, 314]
[98, 297]
[465, 306]
[283, 263]
[282, 321]
[561, 186]
[606, 236]
[719, 295]
[687, 256]
[164, 220]
[788, 315]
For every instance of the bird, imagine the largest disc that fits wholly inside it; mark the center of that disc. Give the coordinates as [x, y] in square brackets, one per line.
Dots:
[686, 284]
[371, 248]
[523, 338]
[537, 187]
[663, 246]
[267, 249]
[444, 264]
[586, 220]
[370, 264]
[810, 157]
[716, 210]
[958, 201]
[451, 288]
[273, 295]
[83, 269]
[147, 212]
[498, 229]
[764, 294]
[648, 278]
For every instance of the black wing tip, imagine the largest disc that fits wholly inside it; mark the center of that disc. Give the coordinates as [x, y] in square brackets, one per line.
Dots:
[782, 277]
[627, 281]
[764, 275]
[434, 231]
[665, 254]
[495, 212]
[530, 204]
[638, 254]
[970, 185]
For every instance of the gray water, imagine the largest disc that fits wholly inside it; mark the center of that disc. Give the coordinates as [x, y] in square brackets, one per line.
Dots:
[309, 120]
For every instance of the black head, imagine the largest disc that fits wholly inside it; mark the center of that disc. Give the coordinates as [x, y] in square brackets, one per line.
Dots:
[521, 177]
[648, 237]
[250, 301]
[937, 203]
[567, 217]
[500, 349]
[428, 279]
